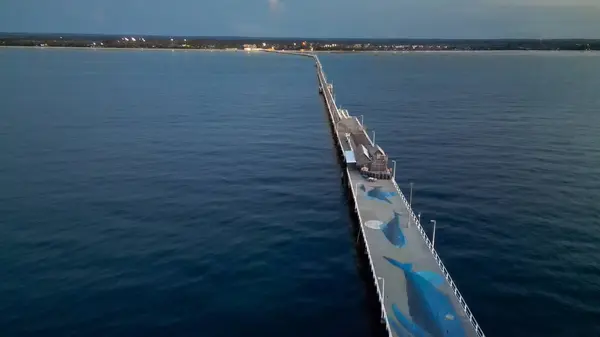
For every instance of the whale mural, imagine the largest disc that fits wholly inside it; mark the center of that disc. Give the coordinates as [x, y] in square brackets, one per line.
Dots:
[406, 327]
[431, 311]
[393, 232]
[377, 194]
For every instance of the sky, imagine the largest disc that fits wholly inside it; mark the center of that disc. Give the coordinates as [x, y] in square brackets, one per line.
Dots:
[308, 18]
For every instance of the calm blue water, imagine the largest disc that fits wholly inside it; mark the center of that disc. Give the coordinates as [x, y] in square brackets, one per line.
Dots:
[198, 194]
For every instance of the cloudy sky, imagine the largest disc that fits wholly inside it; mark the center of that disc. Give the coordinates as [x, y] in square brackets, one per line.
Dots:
[309, 18]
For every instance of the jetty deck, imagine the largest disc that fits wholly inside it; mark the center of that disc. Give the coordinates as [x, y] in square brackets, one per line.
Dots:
[417, 295]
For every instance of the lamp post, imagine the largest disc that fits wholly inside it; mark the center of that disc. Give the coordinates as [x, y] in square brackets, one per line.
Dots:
[410, 203]
[394, 173]
[433, 241]
[356, 210]
[410, 197]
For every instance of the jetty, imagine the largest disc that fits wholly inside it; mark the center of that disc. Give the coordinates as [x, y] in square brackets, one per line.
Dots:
[416, 293]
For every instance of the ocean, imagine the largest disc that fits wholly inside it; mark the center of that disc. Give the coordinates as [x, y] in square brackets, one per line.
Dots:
[152, 193]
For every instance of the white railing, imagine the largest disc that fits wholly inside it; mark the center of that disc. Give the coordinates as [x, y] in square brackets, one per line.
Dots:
[331, 105]
[330, 109]
[437, 258]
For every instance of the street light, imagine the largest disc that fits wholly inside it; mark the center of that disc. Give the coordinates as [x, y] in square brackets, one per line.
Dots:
[433, 241]
[357, 211]
[410, 203]
[382, 296]
[382, 286]
[410, 198]
[419, 217]
[394, 173]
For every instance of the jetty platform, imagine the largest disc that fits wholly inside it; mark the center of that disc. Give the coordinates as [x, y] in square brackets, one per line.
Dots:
[417, 295]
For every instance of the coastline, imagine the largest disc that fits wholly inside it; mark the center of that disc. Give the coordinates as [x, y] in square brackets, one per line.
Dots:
[374, 52]
[124, 48]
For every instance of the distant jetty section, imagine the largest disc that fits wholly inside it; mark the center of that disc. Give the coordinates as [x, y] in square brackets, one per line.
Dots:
[289, 44]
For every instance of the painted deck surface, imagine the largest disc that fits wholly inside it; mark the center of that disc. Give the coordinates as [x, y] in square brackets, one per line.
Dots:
[417, 297]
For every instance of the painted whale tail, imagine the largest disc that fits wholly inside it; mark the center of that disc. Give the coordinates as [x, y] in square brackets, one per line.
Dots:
[407, 267]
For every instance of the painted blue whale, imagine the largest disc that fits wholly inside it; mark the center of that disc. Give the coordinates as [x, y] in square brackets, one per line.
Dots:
[393, 232]
[431, 310]
[408, 328]
[377, 194]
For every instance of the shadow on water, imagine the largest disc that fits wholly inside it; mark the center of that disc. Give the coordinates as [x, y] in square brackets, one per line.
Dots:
[371, 300]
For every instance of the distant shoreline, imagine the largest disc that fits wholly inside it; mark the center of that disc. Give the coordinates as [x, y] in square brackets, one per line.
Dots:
[289, 44]
[123, 48]
[507, 51]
